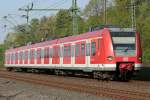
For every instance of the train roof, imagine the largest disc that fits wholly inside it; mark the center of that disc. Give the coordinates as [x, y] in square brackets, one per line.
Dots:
[61, 40]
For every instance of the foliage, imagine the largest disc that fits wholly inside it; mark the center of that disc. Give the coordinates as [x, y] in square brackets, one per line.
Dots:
[2, 50]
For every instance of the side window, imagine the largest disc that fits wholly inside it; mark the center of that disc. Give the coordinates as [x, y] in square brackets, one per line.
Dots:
[18, 55]
[29, 54]
[23, 55]
[58, 51]
[42, 53]
[82, 49]
[26, 55]
[72, 50]
[61, 51]
[13, 57]
[51, 52]
[35, 54]
[69, 51]
[77, 52]
[93, 51]
[33, 51]
[65, 51]
[88, 49]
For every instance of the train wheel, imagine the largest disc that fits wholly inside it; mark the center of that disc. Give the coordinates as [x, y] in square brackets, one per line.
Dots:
[9, 69]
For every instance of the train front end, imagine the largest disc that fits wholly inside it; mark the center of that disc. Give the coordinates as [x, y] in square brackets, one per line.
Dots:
[127, 51]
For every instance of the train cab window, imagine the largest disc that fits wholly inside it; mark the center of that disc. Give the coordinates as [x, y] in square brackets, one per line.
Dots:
[46, 54]
[77, 52]
[93, 51]
[88, 49]
[82, 49]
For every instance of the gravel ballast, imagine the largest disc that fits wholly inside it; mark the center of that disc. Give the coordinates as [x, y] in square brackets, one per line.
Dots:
[17, 90]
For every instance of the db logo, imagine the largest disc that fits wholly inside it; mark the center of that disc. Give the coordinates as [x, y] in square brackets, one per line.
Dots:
[125, 59]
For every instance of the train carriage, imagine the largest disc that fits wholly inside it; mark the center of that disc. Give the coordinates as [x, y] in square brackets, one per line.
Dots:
[106, 53]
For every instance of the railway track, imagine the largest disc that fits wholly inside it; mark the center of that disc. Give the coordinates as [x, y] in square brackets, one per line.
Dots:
[118, 94]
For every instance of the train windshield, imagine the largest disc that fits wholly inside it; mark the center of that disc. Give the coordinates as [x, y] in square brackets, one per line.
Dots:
[124, 43]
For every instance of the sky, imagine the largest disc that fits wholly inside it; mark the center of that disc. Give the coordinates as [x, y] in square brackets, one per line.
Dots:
[10, 8]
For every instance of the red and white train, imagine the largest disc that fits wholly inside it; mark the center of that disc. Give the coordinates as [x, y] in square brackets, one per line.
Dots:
[105, 53]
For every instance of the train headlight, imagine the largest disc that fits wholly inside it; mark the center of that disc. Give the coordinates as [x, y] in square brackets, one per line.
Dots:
[140, 58]
[109, 58]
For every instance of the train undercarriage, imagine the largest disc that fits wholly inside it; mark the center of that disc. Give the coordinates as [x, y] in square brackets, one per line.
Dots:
[124, 72]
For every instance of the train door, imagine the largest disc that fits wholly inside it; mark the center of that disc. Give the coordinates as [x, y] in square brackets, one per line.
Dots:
[39, 56]
[46, 55]
[95, 51]
[80, 53]
[56, 58]
[67, 54]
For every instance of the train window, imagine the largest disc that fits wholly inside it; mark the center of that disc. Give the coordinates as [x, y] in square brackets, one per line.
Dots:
[26, 55]
[42, 53]
[98, 43]
[72, 50]
[58, 51]
[12, 58]
[50, 52]
[82, 49]
[93, 48]
[61, 51]
[23, 55]
[35, 54]
[88, 49]
[65, 51]
[19, 56]
[77, 47]
[69, 51]
[29, 55]
[39, 53]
